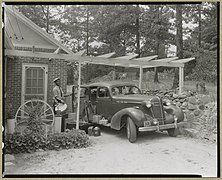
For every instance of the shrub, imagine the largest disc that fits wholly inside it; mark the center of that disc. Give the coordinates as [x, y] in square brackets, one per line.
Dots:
[206, 67]
[18, 143]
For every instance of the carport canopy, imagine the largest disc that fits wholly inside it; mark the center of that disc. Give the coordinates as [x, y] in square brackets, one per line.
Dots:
[106, 59]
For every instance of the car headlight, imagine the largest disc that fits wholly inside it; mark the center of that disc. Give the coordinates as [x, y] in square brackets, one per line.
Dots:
[175, 118]
[168, 103]
[148, 104]
[155, 121]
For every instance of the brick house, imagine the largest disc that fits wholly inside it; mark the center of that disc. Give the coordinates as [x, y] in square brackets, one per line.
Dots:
[32, 59]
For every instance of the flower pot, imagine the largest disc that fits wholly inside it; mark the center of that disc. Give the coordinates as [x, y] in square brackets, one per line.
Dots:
[10, 126]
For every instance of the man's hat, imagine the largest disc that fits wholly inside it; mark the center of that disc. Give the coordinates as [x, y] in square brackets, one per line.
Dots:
[56, 79]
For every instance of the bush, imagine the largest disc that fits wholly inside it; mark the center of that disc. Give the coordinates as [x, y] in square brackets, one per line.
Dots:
[206, 67]
[18, 143]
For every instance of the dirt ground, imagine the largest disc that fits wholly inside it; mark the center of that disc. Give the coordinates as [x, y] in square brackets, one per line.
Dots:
[111, 153]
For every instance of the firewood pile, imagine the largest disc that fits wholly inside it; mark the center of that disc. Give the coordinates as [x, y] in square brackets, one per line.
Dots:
[200, 112]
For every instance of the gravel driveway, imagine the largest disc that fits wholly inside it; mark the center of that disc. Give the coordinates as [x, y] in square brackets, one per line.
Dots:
[111, 153]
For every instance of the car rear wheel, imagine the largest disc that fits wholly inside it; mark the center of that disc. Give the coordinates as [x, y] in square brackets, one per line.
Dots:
[131, 130]
[172, 132]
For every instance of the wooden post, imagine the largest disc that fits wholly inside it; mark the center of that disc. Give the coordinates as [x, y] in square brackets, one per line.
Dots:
[141, 77]
[181, 79]
[78, 100]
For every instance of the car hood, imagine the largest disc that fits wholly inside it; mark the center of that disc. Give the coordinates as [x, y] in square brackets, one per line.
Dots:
[133, 98]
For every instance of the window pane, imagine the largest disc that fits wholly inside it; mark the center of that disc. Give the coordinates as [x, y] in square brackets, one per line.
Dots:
[34, 90]
[103, 92]
[28, 73]
[40, 73]
[28, 90]
[40, 83]
[40, 90]
[28, 83]
[35, 71]
[34, 83]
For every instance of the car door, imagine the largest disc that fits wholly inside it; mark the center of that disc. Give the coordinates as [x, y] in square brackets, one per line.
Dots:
[104, 102]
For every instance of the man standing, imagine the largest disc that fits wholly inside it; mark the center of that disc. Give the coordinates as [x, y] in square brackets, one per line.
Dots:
[59, 98]
[58, 93]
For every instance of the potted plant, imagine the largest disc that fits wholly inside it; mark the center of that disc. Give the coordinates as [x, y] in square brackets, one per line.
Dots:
[10, 124]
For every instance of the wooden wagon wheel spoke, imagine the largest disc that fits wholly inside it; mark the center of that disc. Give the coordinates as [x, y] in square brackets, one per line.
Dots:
[48, 120]
[24, 112]
[45, 111]
[41, 109]
[23, 117]
[47, 115]
[33, 110]
[22, 121]
[32, 104]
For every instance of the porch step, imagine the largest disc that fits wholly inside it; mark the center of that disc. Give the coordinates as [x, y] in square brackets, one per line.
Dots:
[190, 132]
[195, 125]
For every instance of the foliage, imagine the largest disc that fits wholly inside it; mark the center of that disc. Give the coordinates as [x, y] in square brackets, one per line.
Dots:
[45, 16]
[69, 139]
[27, 143]
[206, 67]
[34, 136]
[116, 27]
[155, 30]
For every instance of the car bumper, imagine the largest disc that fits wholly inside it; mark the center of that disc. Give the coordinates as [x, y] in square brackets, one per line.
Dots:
[161, 127]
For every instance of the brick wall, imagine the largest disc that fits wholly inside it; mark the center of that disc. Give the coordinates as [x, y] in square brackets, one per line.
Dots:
[56, 68]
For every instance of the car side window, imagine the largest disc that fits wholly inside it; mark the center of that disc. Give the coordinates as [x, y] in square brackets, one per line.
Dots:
[103, 92]
[83, 92]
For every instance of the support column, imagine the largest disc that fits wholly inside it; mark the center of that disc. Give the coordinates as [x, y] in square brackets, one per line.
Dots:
[181, 79]
[78, 97]
[141, 77]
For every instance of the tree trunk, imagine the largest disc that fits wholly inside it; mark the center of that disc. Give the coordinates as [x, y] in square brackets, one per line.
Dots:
[138, 31]
[199, 31]
[156, 79]
[87, 44]
[47, 20]
[179, 43]
[138, 36]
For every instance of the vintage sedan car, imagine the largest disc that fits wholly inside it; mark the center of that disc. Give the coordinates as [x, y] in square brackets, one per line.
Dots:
[121, 104]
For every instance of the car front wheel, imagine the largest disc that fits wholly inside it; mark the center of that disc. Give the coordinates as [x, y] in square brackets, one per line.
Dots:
[131, 130]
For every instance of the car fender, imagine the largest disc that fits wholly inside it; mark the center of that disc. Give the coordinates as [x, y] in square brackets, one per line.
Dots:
[135, 114]
[171, 111]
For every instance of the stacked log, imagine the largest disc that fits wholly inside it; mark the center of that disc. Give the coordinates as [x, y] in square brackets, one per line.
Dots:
[200, 112]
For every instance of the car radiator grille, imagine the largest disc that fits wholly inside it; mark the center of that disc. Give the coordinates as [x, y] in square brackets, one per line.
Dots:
[157, 110]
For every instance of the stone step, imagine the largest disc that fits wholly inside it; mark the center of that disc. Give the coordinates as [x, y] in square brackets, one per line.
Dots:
[9, 158]
[190, 132]
[195, 125]
[9, 164]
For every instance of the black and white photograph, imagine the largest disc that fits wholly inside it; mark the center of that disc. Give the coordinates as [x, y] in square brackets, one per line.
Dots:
[107, 89]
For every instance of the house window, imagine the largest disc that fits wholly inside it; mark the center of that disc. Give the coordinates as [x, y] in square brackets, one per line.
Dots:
[34, 82]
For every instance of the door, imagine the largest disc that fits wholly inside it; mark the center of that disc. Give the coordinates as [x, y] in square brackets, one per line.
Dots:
[104, 102]
[34, 82]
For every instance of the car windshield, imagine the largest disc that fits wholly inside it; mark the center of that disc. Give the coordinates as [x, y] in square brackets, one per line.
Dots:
[125, 90]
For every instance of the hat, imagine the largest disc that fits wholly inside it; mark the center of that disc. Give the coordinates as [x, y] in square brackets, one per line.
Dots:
[56, 79]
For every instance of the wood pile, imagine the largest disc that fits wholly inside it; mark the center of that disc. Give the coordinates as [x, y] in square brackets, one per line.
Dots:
[200, 112]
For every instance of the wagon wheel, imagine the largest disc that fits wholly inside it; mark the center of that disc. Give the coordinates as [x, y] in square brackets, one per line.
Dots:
[34, 109]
